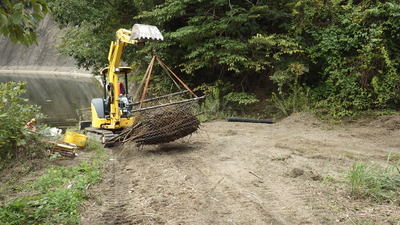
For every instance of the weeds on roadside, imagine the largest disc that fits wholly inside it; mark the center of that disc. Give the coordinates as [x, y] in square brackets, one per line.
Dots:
[380, 185]
[15, 139]
[97, 148]
[59, 193]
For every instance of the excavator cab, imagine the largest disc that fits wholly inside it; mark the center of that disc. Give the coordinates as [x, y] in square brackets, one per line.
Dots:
[124, 99]
[101, 107]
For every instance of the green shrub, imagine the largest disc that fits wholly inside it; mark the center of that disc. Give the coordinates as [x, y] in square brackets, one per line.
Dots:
[214, 105]
[14, 113]
[292, 96]
[239, 100]
[222, 101]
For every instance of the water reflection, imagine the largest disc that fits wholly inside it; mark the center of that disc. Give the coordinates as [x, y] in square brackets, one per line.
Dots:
[60, 96]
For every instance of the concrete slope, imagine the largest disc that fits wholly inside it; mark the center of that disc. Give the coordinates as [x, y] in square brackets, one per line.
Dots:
[41, 57]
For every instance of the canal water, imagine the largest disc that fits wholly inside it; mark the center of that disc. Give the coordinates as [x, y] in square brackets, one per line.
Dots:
[64, 99]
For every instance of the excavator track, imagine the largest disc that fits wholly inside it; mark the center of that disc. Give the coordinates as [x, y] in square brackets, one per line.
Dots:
[106, 137]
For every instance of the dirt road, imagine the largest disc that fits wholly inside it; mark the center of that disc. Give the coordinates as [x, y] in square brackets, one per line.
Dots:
[290, 172]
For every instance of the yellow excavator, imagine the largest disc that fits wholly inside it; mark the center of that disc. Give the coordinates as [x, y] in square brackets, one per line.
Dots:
[111, 113]
[114, 120]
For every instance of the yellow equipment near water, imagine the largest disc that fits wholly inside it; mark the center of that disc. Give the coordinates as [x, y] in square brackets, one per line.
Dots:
[112, 112]
[75, 138]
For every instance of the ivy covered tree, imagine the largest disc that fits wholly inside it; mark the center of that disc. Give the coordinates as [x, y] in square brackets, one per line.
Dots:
[353, 49]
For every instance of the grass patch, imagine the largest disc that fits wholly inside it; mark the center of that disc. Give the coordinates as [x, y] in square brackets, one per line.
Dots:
[393, 158]
[56, 197]
[97, 148]
[380, 185]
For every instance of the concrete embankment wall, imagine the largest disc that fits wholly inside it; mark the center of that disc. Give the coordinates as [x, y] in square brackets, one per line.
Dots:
[53, 80]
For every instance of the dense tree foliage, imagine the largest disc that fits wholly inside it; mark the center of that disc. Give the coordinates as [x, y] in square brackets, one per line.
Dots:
[342, 56]
[18, 19]
[91, 25]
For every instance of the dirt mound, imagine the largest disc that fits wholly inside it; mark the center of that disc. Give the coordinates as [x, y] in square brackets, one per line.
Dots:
[390, 122]
[305, 119]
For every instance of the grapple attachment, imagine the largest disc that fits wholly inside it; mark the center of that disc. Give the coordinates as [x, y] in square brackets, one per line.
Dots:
[142, 32]
[163, 124]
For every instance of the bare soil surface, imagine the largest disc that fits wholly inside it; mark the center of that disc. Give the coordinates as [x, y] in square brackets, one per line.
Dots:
[290, 172]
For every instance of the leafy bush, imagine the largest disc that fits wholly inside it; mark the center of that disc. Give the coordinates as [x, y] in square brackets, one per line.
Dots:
[221, 101]
[14, 113]
[292, 96]
[214, 105]
[239, 100]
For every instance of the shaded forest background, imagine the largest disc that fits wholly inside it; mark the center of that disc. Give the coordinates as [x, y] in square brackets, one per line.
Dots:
[253, 57]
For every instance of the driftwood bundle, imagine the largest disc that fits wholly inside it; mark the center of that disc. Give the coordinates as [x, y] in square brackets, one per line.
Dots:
[163, 125]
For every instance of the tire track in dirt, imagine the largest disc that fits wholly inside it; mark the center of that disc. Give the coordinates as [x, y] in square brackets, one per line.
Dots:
[236, 173]
[287, 197]
[218, 184]
[114, 201]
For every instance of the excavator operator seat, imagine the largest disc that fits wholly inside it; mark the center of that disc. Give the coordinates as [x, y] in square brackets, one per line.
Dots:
[121, 89]
[98, 104]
